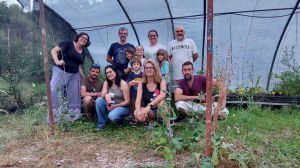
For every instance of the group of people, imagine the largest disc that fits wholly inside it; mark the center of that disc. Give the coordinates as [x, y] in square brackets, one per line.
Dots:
[137, 81]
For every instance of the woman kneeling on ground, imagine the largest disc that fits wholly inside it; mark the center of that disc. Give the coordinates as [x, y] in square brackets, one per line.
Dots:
[115, 98]
[150, 96]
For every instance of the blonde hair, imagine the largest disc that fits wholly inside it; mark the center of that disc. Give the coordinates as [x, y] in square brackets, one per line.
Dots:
[157, 74]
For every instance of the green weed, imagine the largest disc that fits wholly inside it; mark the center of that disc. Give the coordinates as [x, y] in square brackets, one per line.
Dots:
[270, 136]
[261, 137]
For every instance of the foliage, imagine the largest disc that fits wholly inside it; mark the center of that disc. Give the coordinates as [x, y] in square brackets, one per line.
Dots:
[260, 142]
[247, 136]
[21, 51]
[289, 80]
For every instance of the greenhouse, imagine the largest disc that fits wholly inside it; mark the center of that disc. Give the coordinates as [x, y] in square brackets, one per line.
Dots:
[255, 52]
[253, 34]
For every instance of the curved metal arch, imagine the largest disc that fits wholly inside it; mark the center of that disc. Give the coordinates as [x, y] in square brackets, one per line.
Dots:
[125, 12]
[279, 42]
[171, 17]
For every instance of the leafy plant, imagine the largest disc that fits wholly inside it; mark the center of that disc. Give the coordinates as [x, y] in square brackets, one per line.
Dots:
[289, 80]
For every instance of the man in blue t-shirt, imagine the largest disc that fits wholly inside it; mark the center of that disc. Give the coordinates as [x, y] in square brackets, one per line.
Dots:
[186, 94]
[116, 54]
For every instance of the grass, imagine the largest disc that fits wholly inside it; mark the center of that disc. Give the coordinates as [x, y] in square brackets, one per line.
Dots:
[260, 137]
[272, 136]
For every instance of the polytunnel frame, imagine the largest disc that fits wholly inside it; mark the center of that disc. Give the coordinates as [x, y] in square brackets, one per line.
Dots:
[204, 26]
[279, 42]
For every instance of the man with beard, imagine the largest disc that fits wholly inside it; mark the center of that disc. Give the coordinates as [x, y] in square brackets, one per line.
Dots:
[91, 90]
[190, 93]
[116, 54]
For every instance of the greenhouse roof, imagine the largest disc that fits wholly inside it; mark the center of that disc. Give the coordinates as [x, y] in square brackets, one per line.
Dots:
[251, 36]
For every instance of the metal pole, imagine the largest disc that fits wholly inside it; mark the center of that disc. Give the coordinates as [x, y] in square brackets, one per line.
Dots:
[208, 129]
[131, 23]
[171, 17]
[279, 42]
[203, 35]
[46, 63]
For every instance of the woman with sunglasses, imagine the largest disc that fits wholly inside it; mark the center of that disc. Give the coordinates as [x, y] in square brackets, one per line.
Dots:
[115, 99]
[68, 57]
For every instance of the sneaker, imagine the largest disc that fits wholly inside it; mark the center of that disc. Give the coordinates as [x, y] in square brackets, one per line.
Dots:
[170, 132]
[150, 126]
[99, 129]
[133, 123]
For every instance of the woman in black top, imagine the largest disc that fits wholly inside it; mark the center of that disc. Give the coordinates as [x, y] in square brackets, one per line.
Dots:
[151, 94]
[68, 57]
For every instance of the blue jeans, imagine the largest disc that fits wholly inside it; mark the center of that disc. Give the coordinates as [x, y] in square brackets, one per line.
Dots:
[115, 115]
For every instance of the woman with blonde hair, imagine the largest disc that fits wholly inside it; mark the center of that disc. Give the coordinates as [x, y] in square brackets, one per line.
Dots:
[150, 96]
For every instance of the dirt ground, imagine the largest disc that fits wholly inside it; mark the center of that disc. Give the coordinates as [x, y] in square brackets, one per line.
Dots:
[70, 152]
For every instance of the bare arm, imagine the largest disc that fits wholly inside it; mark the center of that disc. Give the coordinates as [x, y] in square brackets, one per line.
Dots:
[54, 54]
[84, 93]
[81, 73]
[178, 96]
[166, 77]
[109, 59]
[127, 70]
[195, 57]
[139, 94]
[104, 89]
[222, 91]
[133, 83]
[162, 94]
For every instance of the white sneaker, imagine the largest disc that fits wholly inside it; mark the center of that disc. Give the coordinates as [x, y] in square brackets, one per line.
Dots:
[170, 132]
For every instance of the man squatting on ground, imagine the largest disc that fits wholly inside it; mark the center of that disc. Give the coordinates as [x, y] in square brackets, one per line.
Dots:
[90, 90]
[186, 94]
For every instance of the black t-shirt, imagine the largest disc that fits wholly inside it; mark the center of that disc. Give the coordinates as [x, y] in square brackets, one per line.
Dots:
[149, 96]
[70, 56]
[117, 51]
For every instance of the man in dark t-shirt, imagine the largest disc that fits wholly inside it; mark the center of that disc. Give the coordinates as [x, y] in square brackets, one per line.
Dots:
[116, 54]
[190, 93]
[90, 90]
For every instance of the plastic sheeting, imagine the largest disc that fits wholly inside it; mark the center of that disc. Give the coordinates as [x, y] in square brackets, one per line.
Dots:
[245, 32]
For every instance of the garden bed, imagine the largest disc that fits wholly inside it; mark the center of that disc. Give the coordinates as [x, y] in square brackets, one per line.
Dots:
[263, 99]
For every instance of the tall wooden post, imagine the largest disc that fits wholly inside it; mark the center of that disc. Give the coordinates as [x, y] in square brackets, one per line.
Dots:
[208, 121]
[46, 63]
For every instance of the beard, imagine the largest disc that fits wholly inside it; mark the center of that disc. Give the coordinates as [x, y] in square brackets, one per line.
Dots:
[188, 77]
[93, 77]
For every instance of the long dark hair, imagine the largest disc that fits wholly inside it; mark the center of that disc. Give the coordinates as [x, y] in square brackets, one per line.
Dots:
[117, 80]
[88, 43]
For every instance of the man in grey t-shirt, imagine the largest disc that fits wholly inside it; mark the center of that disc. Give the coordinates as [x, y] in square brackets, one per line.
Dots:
[181, 50]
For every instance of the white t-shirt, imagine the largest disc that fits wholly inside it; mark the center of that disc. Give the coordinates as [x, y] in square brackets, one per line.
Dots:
[181, 52]
[150, 52]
